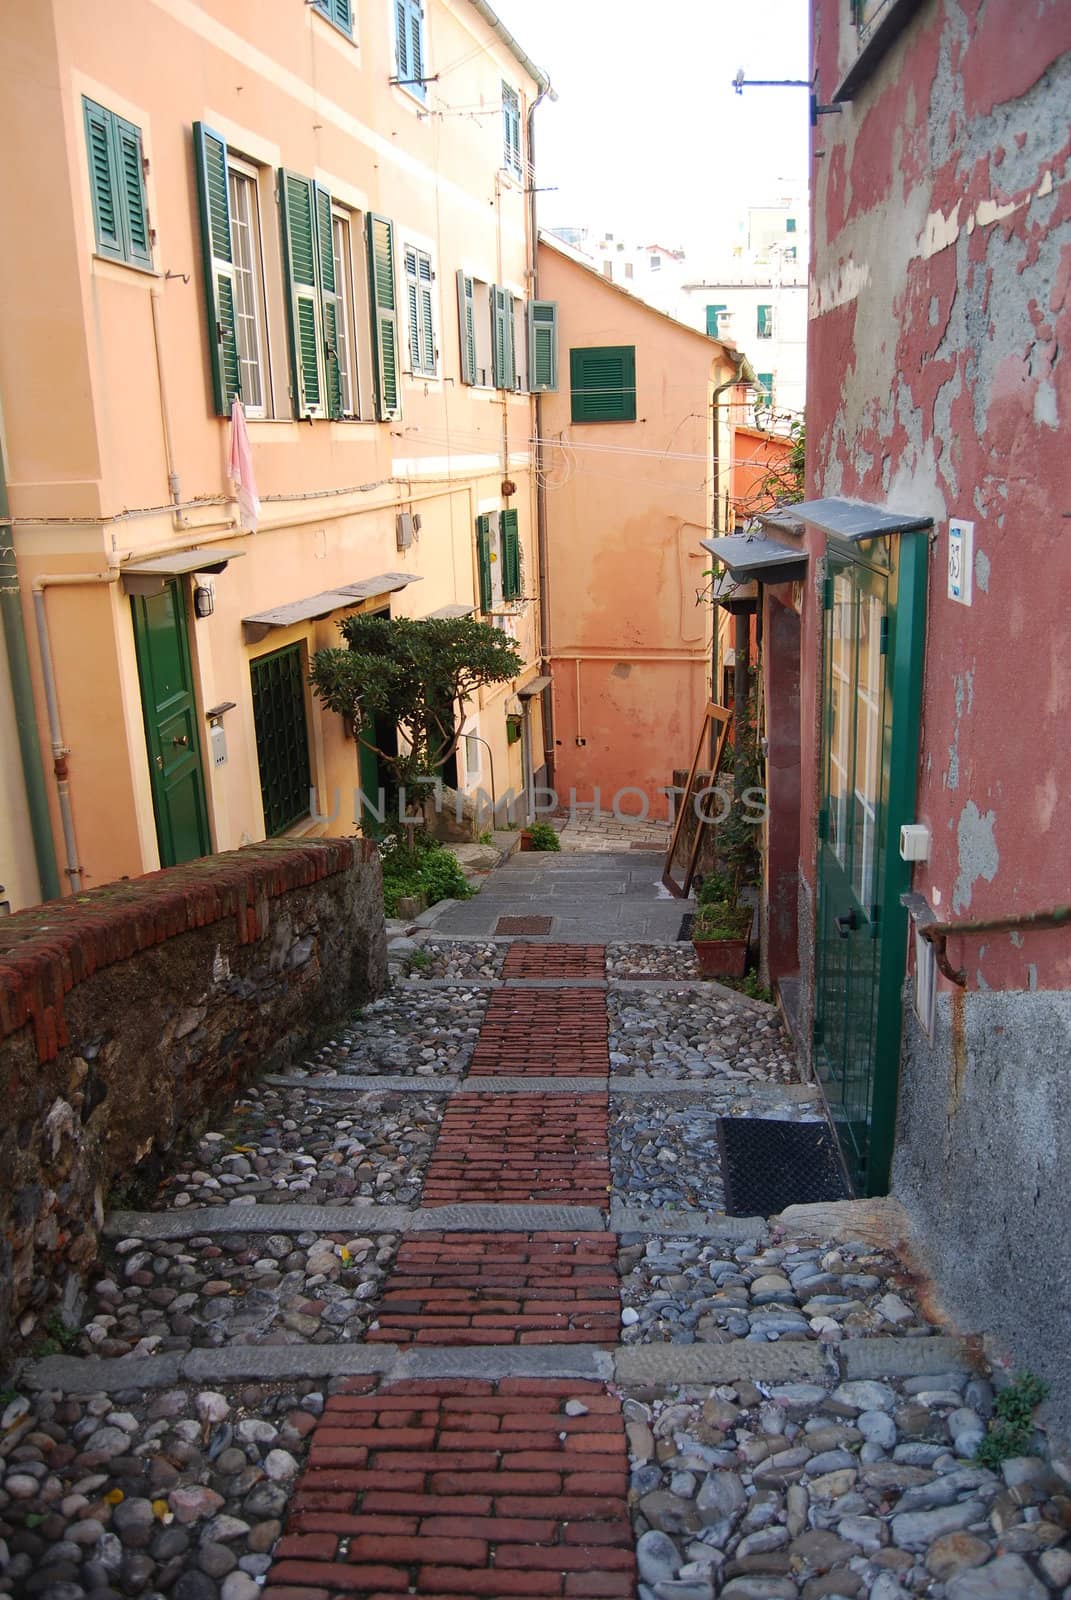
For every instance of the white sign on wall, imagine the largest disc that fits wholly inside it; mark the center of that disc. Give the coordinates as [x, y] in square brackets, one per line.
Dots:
[960, 561]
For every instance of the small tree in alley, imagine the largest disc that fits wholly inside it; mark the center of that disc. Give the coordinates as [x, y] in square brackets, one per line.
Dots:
[412, 677]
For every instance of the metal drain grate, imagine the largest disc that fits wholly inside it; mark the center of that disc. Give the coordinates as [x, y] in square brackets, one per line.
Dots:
[768, 1165]
[528, 925]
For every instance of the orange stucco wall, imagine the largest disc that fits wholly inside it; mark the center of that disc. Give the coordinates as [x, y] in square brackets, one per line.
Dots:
[627, 504]
[755, 454]
[81, 390]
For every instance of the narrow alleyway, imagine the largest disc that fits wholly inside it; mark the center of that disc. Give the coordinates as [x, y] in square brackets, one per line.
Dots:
[453, 1310]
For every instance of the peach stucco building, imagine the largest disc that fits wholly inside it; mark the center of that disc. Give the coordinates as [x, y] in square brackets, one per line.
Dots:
[323, 207]
[637, 452]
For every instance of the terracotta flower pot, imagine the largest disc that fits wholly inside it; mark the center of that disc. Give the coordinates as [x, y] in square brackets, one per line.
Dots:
[721, 958]
[526, 840]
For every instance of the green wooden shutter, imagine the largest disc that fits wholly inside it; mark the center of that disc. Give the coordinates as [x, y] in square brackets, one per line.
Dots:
[416, 48]
[340, 12]
[766, 386]
[543, 346]
[511, 556]
[483, 558]
[401, 38]
[299, 253]
[505, 376]
[210, 159]
[103, 181]
[764, 327]
[712, 320]
[427, 312]
[384, 314]
[330, 302]
[603, 383]
[511, 129]
[466, 322]
[132, 181]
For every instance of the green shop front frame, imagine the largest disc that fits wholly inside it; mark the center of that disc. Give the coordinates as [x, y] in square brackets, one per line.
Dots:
[874, 608]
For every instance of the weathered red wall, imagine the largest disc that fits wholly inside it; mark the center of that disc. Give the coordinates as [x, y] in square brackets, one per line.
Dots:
[939, 310]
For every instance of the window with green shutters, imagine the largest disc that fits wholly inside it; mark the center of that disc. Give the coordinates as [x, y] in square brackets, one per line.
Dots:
[282, 735]
[543, 346]
[117, 187]
[512, 158]
[713, 314]
[602, 380]
[764, 322]
[384, 315]
[498, 559]
[340, 12]
[790, 224]
[419, 277]
[410, 54]
[765, 395]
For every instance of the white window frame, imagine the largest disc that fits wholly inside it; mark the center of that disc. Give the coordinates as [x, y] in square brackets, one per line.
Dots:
[244, 181]
[483, 327]
[348, 363]
[423, 362]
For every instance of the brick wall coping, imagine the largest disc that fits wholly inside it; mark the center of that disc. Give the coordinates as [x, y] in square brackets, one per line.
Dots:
[47, 949]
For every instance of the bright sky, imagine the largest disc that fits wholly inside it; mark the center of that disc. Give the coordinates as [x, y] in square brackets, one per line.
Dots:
[648, 138]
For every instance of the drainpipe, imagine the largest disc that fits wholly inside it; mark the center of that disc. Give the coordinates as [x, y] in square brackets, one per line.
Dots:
[179, 518]
[18, 661]
[543, 562]
[744, 374]
[60, 750]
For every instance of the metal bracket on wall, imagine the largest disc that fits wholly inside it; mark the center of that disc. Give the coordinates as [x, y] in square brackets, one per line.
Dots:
[938, 934]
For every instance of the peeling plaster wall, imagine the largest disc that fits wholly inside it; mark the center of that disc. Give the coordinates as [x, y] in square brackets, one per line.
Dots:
[982, 1159]
[940, 382]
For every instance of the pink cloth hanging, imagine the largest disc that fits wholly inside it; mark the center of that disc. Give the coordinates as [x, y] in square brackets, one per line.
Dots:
[241, 469]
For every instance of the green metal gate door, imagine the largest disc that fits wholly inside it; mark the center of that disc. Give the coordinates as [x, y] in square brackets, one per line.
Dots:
[170, 711]
[874, 605]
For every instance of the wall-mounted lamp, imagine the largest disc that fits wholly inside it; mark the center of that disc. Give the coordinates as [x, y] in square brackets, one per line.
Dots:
[204, 598]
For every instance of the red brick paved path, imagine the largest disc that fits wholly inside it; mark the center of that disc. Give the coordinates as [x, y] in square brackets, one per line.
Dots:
[502, 1288]
[457, 1489]
[521, 1147]
[548, 1032]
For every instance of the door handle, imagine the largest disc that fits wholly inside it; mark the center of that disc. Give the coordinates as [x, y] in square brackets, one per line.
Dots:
[846, 924]
[181, 739]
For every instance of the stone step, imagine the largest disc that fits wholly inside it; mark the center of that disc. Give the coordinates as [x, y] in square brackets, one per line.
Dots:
[652, 1364]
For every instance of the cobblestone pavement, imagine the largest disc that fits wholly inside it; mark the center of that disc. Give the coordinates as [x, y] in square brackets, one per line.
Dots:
[452, 1310]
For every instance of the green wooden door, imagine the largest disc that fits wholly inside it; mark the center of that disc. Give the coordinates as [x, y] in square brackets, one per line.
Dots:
[874, 609]
[171, 731]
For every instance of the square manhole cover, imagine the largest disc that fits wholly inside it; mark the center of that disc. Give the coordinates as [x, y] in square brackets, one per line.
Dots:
[527, 925]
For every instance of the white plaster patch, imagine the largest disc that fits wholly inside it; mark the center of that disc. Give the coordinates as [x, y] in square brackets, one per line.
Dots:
[981, 570]
[989, 211]
[977, 852]
[1046, 411]
[940, 232]
[838, 288]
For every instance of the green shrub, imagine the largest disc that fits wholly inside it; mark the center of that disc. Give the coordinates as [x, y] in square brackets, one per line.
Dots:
[1012, 1426]
[722, 919]
[714, 887]
[542, 836]
[422, 867]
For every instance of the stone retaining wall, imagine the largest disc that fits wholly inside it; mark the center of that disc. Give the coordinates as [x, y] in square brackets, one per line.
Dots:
[127, 1014]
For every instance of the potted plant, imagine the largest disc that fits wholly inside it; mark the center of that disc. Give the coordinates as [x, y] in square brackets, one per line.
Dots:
[721, 930]
[540, 836]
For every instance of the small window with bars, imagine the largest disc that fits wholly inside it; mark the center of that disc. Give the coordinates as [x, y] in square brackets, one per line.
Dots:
[282, 734]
